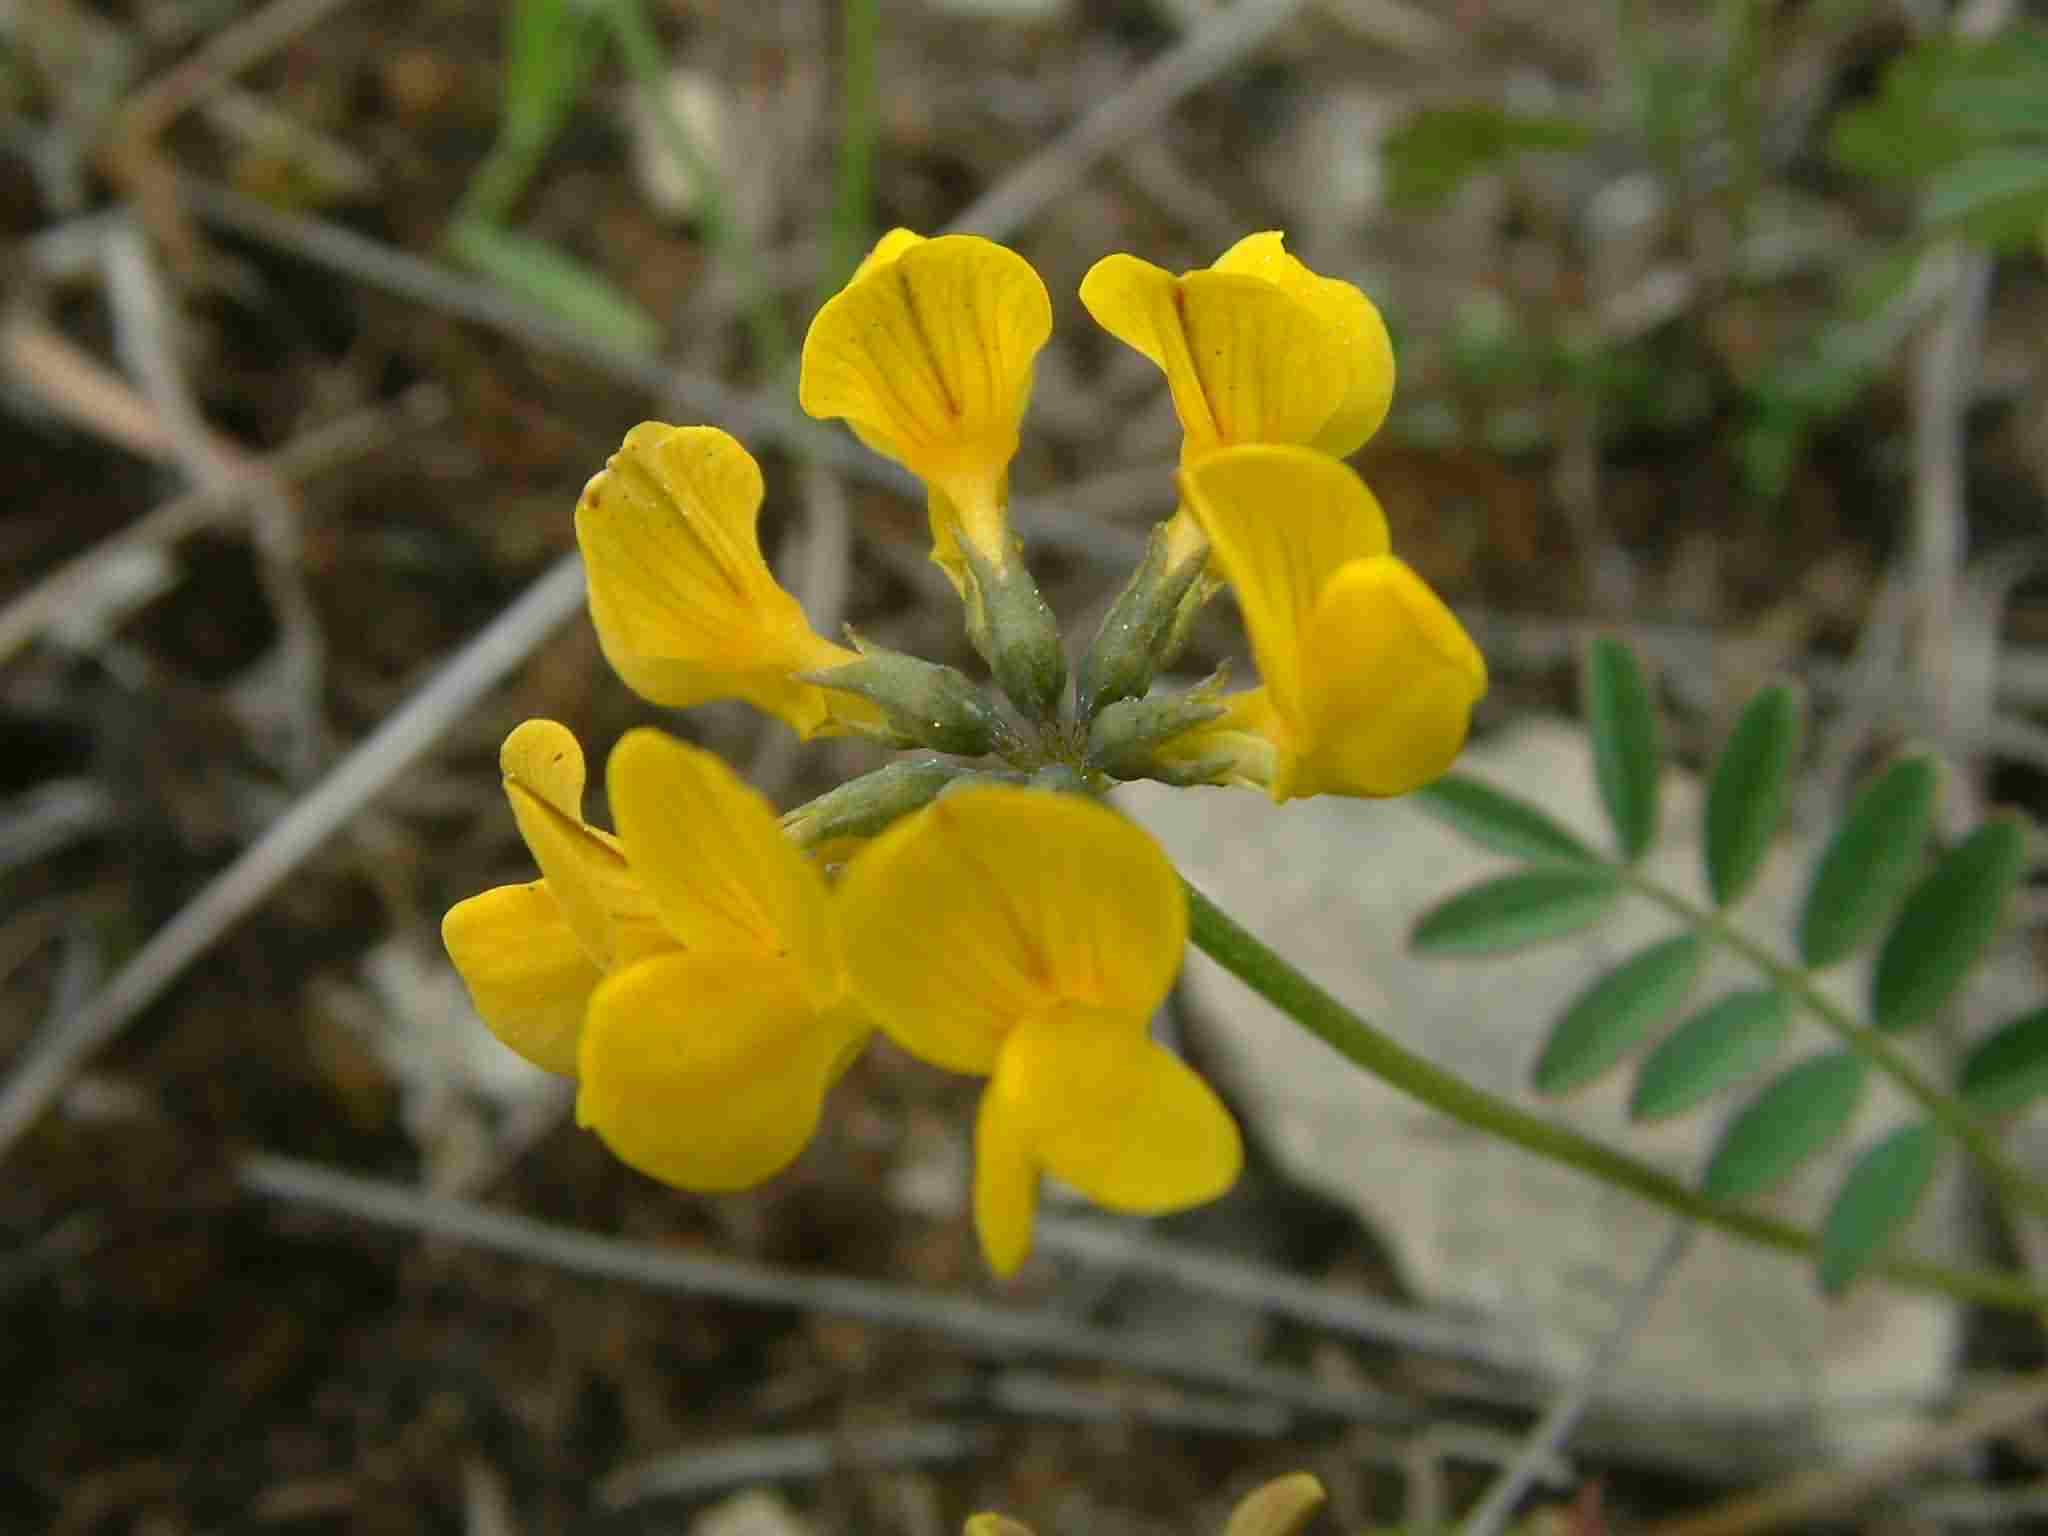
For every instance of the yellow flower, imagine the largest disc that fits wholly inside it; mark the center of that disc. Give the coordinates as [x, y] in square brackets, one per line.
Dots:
[1369, 680]
[1279, 1508]
[927, 354]
[1255, 349]
[685, 606]
[1030, 936]
[687, 972]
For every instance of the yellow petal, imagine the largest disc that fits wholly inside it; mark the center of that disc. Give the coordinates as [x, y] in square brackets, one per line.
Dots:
[525, 969]
[927, 353]
[1245, 361]
[995, 904]
[1123, 1120]
[1391, 678]
[714, 860]
[1282, 521]
[600, 900]
[886, 250]
[709, 1071]
[1279, 1508]
[685, 606]
[1005, 1185]
[1349, 317]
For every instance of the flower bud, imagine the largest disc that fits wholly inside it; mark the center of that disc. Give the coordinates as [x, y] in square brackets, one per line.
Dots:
[1015, 632]
[1132, 644]
[864, 806]
[1124, 738]
[923, 704]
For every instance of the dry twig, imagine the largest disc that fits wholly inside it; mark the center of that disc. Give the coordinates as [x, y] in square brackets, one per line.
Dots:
[65, 1044]
[1803, 1498]
[1002, 1332]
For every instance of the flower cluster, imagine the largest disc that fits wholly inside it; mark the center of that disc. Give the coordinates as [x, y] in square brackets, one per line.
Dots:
[707, 972]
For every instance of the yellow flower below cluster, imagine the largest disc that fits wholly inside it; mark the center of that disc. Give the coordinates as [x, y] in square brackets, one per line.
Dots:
[684, 604]
[1368, 679]
[1029, 937]
[687, 971]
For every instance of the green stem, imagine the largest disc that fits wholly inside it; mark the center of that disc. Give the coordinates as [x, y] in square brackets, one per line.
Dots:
[1266, 973]
[853, 199]
[1797, 983]
[648, 66]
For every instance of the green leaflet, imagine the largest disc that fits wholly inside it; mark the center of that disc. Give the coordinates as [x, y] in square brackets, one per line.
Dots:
[1803, 1109]
[2008, 1069]
[1864, 870]
[1998, 196]
[1607, 1020]
[1751, 781]
[1622, 721]
[1719, 1045]
[1877, 1198]
[1498, 820]
[1944, 926]
[1514, 910]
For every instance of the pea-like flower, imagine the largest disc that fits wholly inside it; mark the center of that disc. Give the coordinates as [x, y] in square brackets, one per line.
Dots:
[1368, 679]
[1256, 348]
[684, 604]
[687, 971]
[927, 354]
[1028, 937]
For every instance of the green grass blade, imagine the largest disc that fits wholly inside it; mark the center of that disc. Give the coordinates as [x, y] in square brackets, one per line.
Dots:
[1800, 1112]
[1721, 1044]
[1495, 819]
[1751, 781]
[550, 49]
[1865, 869]
[1515, 910]
[1611, 1017]
[853, 196]
[549, 277]
[2008, 1069]
[1875, 1201]
[1945, 925]
[1626, 755]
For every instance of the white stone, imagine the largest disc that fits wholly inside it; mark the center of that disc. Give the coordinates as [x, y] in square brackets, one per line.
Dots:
[1740, 1336]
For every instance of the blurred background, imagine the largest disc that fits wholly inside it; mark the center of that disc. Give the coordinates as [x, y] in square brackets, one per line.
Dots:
[1721, 323]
